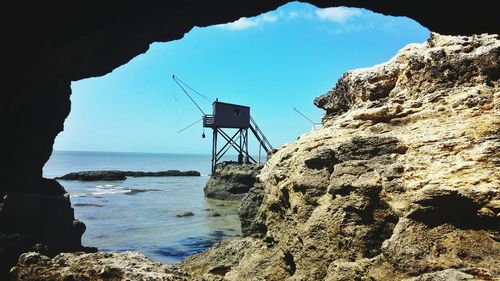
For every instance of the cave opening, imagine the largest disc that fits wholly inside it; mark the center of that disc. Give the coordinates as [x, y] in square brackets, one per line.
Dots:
[48, 45]
[128, 119]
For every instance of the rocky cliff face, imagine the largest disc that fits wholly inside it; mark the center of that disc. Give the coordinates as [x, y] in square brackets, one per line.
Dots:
[402, 182]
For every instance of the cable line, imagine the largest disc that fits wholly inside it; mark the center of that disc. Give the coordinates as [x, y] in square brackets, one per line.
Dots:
[190, 125]
[303, 115]
[175, 79]
[189, 87]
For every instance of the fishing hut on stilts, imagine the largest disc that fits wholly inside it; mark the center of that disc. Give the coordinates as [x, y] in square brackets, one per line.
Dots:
[230, 124]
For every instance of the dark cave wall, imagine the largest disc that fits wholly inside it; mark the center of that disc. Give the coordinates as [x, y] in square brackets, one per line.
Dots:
[48, 44]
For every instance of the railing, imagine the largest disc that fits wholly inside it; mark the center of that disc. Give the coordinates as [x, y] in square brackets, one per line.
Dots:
[260, 136]
[208, 120]
[316, 126]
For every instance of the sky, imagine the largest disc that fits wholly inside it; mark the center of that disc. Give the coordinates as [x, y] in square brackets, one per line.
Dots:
[273, 62]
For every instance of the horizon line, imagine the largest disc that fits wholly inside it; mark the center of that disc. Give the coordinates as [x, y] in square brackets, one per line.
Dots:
[138, 152]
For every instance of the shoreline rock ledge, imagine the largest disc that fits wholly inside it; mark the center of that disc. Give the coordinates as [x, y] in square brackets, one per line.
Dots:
[114, 175]
[33, 266]
[231, 181]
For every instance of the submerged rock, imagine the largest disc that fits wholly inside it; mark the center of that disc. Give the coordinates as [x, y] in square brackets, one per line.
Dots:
[96, 266]
[113, 175]
[232, 181]
[184, 214]
[401, 183]
[87, 205]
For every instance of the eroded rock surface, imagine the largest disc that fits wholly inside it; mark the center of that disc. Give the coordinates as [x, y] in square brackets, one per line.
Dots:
[96, 266]
[231, 181]
[402, 181]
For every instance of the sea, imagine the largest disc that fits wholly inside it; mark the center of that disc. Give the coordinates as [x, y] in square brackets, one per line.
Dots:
[139, 214]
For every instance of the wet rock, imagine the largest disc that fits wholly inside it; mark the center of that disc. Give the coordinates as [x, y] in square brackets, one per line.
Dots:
[231, 181]
[184, 214]
[122, 175]
[87, 205]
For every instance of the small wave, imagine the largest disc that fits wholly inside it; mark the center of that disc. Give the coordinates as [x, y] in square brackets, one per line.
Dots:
[74, 195]
[101, 191]
[133, 191]
[104, 185]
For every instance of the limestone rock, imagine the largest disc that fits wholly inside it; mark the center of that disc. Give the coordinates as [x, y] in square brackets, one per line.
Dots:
[96, 266]
[402, 181]
[466, 274]
[231, 181]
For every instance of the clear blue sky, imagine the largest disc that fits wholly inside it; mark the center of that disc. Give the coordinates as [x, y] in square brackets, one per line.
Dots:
[272, 63]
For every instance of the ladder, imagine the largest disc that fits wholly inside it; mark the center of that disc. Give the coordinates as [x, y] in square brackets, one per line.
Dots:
[261, 138]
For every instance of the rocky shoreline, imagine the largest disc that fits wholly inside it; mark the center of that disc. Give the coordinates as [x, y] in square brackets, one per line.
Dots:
[401, 183]
[93, 266]
[114, 175]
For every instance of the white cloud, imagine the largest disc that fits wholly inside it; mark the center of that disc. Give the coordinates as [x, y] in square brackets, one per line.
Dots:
[268, 18]
[337, 14]
[246, 23]
[242, 23]
[293, 15]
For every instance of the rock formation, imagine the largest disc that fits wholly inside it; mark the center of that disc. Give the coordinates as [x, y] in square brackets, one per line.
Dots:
[97, 266]
[248, 211]
[39, 221]
[113, 175]
[231, 181]
[42, 56]
[401, 183]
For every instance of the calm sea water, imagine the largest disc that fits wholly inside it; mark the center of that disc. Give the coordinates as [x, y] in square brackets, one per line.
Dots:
[139, 214]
